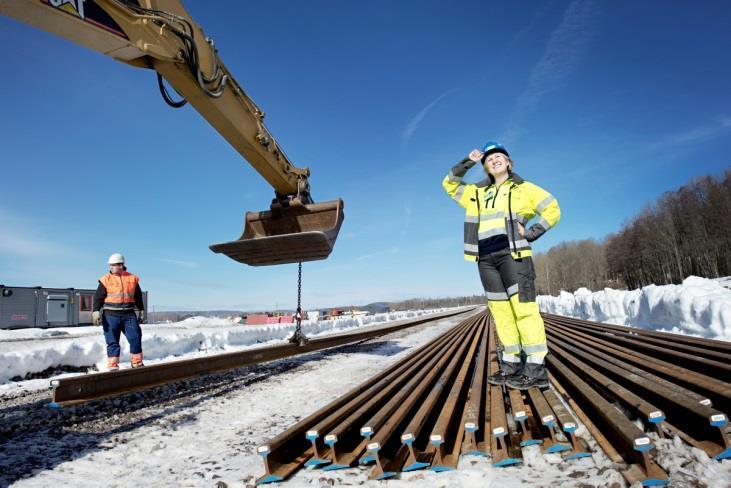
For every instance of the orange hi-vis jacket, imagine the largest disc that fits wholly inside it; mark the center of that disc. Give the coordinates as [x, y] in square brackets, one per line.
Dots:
[120, 290]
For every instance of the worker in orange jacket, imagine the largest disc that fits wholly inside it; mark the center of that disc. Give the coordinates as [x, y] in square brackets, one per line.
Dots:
[115, 301]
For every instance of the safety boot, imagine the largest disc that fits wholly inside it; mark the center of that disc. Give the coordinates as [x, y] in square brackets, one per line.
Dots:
[533, 374]
[136, 360]
[113, 363]
[523, 382]
[501, 377]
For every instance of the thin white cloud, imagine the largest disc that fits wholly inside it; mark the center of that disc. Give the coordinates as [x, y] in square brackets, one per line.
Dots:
[393, 250]
[564, 50]
[181, 264]
[721, 126]
[416, 120]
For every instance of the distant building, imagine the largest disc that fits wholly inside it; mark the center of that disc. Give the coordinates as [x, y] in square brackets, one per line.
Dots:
[378, 307]
[23, 306]
[268, 318]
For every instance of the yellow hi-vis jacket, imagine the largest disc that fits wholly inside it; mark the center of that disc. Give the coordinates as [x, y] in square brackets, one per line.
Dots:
[492, 213]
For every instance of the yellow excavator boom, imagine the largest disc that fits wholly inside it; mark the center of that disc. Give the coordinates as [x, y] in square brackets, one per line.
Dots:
[161, 35]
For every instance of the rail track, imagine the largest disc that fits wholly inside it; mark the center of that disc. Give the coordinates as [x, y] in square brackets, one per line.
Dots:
[85, 388]
[625, 385]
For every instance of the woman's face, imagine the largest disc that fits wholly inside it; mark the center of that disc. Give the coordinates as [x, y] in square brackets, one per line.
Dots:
[496, 163]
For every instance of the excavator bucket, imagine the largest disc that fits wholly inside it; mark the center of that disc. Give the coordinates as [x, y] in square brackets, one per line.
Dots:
[290, 235]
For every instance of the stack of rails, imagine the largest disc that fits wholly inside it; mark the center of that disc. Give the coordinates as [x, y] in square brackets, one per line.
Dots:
[423, 412]
[672, 384]
[427, 409]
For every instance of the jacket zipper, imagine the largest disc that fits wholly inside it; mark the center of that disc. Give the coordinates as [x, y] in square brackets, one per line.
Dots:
[510, 219]
[477, 200]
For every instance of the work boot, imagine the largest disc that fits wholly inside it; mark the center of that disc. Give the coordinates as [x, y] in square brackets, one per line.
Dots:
[112, 363]
[136, 360]
[523, 382]
[501, 377]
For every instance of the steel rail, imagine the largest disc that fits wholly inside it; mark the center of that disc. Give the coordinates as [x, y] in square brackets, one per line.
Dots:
[407, 457]
[474, 415]
[708, 344]
[290, 450]
[447, 433]
[502, 452]
[442, 405]
[706, 366]
[676, 398]
[713, 390]
[622, 360]
[384, 446]
[352, 434]
[699, 421]
[339, 424]
[597, 434]
[84, 388]
[630, 333]
[633, 445]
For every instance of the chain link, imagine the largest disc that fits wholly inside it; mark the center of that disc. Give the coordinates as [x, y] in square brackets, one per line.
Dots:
[298, 336]
[299, 288]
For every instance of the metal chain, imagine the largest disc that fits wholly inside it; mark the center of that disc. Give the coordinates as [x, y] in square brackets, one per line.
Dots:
[298, 337]
[299, 288]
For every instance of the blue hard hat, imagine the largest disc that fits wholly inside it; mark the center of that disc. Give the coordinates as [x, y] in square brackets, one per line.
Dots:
[492, 147]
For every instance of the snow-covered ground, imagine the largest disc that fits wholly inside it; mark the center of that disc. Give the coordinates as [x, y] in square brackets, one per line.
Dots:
[206, 434]
[25, 352]
[698, 306]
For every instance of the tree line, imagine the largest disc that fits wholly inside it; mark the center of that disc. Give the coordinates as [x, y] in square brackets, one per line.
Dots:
[431, 303]
[685, 232]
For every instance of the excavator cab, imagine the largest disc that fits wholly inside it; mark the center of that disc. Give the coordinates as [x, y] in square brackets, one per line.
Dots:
[292, 234]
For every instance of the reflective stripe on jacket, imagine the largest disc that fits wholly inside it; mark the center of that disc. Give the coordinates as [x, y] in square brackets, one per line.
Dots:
[492, 213]
[120, 290]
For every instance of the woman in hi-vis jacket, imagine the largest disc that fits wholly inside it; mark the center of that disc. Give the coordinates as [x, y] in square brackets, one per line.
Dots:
[497, 236]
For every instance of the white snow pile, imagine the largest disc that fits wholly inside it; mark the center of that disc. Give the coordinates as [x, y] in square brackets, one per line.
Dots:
[698, 306]
[29, 351]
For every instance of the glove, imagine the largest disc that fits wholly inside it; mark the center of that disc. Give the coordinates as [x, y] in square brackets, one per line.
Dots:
[141, 317]
[96, 318]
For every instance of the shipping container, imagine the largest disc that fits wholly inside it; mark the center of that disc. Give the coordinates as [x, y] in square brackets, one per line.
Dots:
[23, 307]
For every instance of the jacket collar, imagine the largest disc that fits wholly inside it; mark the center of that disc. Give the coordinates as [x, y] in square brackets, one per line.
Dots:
[487, 182]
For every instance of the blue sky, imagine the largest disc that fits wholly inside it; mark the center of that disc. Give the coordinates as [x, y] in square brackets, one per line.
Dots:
[605, 104]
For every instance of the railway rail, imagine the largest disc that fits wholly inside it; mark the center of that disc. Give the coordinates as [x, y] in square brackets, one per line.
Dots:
[85, 388]
[626, 386]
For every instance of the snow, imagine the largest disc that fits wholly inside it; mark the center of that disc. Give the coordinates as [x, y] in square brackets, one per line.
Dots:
[31, 351]
[698, 306]
[208, 437]
[214, 440]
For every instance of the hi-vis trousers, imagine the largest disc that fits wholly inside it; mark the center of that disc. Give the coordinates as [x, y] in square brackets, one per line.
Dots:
[511, 297]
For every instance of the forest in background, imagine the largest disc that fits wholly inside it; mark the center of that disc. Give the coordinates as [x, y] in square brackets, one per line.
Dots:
[685, 232]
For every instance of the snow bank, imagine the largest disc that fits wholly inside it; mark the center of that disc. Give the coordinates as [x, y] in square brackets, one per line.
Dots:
[698, 306]
[28, 351]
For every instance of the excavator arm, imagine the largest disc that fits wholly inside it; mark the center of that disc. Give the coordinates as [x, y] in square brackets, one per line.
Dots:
[161, 35]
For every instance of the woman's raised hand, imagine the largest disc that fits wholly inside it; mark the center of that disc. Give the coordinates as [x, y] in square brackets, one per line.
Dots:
[475, 155]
